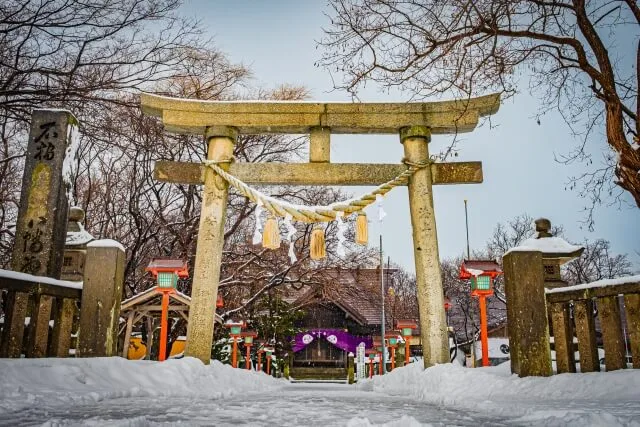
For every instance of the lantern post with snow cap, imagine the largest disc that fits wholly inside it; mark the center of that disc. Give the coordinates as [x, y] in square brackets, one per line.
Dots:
[235, 332]
[406, 327]
[269, 354]
[248, 342]
[166, 271]
[371, 353]
[392, 340]
[481, 274]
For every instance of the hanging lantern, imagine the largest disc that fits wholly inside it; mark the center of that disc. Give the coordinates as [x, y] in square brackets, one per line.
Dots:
[362, 229]
[317, 248]
[219, 301]
[271, 234]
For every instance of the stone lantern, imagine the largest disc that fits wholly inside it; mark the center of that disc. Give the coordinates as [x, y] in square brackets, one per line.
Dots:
[555, 252]
[75, 247]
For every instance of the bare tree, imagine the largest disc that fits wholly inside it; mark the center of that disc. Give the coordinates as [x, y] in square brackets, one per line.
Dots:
[469, 47]
[597, 263]
[82, 56]
[512, 233]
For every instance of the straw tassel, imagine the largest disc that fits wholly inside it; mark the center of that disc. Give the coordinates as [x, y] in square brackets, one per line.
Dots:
[362, 229]
[317, 247]
[271, 234]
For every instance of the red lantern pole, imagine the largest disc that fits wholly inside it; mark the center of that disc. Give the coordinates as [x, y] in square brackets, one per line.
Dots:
[407, 350]
[483, 329]
[268, 365]
[248, 358]
[234, 357]
[380, 363]
[164, 320]
[393, 357]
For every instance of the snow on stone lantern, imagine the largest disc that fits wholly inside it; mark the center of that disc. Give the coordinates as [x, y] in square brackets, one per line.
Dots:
[406, 327]
[166, 271]
[555, 252]
[481, 274]
[235, 331]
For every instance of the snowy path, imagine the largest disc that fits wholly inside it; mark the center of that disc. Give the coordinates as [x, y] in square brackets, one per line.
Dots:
[292, 405]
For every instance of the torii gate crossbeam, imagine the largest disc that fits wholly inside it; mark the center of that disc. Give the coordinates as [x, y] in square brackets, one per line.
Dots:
[221, 121]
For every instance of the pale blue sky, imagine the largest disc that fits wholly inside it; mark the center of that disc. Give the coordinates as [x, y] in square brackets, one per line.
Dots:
[277, 41]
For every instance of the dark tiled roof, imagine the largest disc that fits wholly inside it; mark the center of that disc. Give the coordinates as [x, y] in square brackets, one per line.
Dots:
[356, 291]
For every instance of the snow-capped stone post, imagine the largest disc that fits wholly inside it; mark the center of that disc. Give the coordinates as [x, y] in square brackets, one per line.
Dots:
[528, 270]
[41, 225]
[101, 296]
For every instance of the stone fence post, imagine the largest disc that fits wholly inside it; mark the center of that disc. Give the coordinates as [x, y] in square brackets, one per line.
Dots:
[101, 296]
[527, 313]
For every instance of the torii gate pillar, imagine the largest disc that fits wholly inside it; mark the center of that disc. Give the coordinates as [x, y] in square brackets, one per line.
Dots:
[433, 325]
[206, 275]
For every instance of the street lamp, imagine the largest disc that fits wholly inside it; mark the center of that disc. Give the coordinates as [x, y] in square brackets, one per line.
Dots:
[406, 327]
[392, 339]
[372, 356]
[248, 342]
[481, 274]
[235, 333]
[269, 352]
[166, 271]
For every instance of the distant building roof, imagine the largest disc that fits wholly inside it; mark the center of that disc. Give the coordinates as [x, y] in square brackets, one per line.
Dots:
[356, 291]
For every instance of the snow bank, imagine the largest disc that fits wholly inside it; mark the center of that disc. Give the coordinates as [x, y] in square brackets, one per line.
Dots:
[611, 398]
[26, 383]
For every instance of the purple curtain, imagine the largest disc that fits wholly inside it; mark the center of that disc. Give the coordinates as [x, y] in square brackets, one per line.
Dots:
[341, 339]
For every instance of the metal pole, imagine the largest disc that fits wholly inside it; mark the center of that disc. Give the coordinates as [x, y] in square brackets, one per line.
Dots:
[466, 220]
[383, 358]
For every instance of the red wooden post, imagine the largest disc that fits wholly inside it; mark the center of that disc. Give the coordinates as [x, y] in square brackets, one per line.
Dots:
[234, 356]
[268, 364]
[248, 358]
[380, 362]
[393, 357]
[483, 330]
[163, 325]
[481, 274]
[407, 350]
[166, 271]
[260, 360]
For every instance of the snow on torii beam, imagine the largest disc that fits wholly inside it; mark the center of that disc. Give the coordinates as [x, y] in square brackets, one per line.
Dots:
[221, 122]
[292, 117]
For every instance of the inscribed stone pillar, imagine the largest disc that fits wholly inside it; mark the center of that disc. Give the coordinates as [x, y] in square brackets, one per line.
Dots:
[527, 313]
[41, 224]
[433, 325]
[206, 275]
[101, 297]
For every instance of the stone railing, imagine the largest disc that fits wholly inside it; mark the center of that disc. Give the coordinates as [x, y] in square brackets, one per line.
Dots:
[584, 301]
[538, 298]
[47, 308]
[64, 296]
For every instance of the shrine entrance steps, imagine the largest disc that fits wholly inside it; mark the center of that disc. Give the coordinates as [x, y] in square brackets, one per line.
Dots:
[318, 373]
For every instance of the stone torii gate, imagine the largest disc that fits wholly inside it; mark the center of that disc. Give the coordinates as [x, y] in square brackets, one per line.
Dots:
[221, 122]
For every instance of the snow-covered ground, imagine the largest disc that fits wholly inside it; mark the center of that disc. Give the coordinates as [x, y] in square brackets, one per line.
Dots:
[598, 398]
[117, 392]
